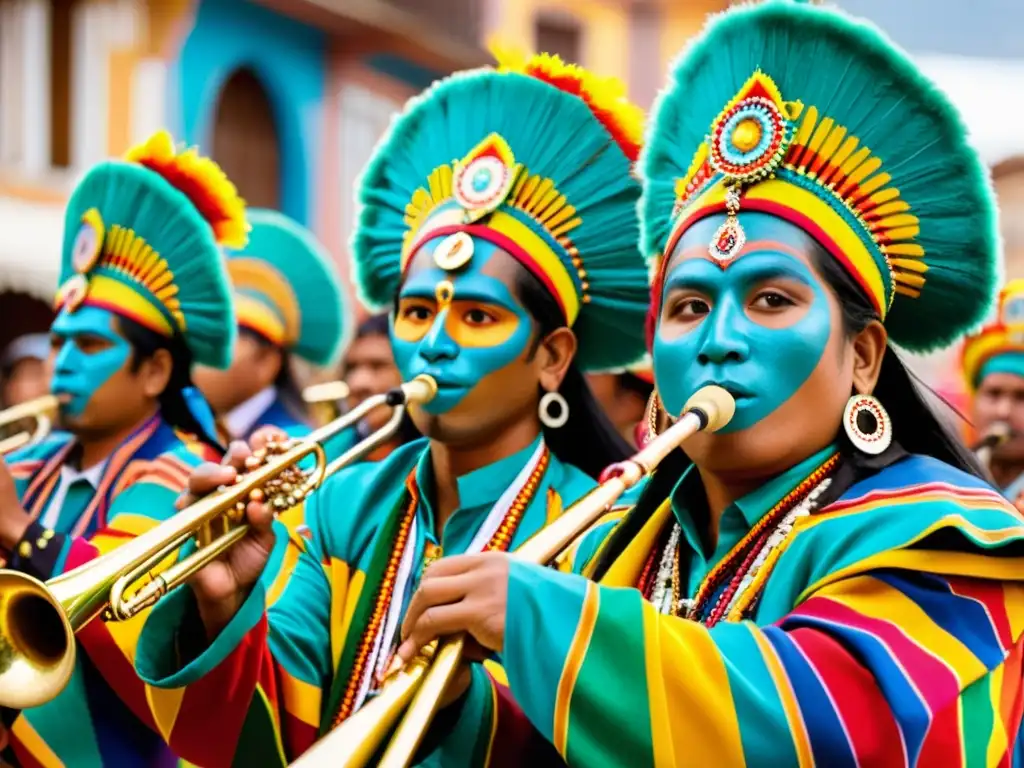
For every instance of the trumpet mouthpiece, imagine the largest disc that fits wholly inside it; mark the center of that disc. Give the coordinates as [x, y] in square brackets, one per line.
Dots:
[715, 404]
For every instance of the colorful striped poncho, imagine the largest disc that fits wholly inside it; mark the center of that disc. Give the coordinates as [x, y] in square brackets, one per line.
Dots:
[277, 677]
[889, 633]
[102, 718]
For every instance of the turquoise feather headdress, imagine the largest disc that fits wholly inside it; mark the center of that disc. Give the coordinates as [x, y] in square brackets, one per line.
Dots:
[534, 156]
[142, 239]
[288, 290]
[805, 113]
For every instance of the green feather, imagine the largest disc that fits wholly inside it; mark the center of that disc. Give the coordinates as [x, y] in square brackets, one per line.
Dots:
[139, 199]
[553, 134]
[853, 74]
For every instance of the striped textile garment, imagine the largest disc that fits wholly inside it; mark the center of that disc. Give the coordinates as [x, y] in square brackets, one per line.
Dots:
[90, 724]
[289, 659]
[888, 634]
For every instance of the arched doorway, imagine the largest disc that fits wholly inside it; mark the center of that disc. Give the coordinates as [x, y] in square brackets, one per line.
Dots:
[246, 140]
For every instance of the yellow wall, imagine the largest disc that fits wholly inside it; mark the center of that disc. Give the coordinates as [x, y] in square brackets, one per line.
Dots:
[603, 23]
[605, 28]
[680, 22]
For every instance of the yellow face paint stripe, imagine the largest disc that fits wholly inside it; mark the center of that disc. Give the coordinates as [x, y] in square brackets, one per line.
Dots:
[573, 664]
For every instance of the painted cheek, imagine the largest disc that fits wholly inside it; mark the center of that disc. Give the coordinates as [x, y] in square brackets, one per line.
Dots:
[82, 375]
[729, 348]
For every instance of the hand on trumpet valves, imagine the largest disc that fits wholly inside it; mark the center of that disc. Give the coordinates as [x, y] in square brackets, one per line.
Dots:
[222, 586]
[13, 518]
[462, 593]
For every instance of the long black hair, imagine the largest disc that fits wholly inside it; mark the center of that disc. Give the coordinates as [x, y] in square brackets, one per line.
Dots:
[588, 440]
[917, 426]
[174, 407]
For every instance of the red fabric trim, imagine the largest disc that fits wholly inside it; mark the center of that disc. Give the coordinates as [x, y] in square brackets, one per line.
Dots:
[516, 742]
[214, 708]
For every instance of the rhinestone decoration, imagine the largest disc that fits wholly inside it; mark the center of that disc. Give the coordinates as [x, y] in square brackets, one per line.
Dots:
[729, 238]
[748, 141]
[484, 177]
[74, 292]
[454, 251]
[88, 242]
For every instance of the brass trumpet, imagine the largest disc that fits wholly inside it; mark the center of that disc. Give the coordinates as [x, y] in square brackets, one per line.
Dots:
[42, 409]
[424, 680]
[38, 621]
[326, 400]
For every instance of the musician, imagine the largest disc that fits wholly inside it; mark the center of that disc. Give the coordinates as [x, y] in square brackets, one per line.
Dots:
[144, 293]
[827, 580]
[993, 366]
[288, 301]
[511, 272]
[369, 369]
[23, 369]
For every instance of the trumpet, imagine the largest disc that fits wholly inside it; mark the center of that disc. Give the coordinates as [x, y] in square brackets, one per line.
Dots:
[997, 434]
[42, 409]
[424, 680]
[38, 621]
[326, 400]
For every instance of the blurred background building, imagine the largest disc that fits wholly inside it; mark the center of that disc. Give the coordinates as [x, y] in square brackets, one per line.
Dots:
[291, 95]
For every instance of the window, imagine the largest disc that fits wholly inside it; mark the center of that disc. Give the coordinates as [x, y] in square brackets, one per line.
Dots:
[365, 117]
[558, 34]
[61, 13]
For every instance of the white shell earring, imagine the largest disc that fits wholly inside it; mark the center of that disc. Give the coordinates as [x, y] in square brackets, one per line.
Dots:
[867, 424]
[561, 410]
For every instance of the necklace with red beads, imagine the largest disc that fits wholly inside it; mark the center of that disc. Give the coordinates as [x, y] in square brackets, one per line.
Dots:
[495, 534]
[732, 588]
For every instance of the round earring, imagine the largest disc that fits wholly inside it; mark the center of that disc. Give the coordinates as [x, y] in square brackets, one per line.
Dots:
[867, 424]
[561, 415]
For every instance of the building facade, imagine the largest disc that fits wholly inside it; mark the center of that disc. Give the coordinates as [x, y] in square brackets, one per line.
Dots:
[289, 96]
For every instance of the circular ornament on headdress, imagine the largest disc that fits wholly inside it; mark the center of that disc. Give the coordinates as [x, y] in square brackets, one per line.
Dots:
[88, 242]
[1012, 311]
[748, 140]
[74, 292]
[482, 184]
[454, 251]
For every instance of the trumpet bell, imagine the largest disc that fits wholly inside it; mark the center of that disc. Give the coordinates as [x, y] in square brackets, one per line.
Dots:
[37, 646]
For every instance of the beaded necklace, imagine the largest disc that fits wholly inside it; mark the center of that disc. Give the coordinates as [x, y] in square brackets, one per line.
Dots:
[372, 638]
[733, 587]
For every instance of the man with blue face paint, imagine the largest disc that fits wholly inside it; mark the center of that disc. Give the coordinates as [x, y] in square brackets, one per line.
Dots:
[828, 580]
[144, 294]
[993, 366]
[508, 272]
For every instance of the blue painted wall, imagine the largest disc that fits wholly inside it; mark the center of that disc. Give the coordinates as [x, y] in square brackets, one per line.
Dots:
[288, 57]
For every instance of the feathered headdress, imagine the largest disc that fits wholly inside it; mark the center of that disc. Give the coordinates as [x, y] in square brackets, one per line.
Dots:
[804, 113]
[534, 156]
[288, 290]
[142, 238]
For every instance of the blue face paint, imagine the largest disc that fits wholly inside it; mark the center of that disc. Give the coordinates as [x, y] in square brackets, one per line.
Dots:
[761, 357]
[92, 352]
[452, 350]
